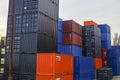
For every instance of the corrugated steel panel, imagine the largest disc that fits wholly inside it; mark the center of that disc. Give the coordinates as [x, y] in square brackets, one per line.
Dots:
[18, 7]
[114, 59]
[29, 43]
[15, 63]
[72, 26]
[27, 63]
[49, 8]
[50, 77]
[60, 22]
[91, 41]
[60, 34]
[60, 48]
[105, 28]
[72, 50]
[104, 74]
[83, 68]
[90, 23]
[72, 39]
[47, 35]
[54, 64]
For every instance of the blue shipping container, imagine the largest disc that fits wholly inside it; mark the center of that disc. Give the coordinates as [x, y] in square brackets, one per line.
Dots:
[104, 28]
[114, 59]
[72, 50]
[105, 36]
[60, 24]
[106, 44]
[59, 36]
[83, 68]
[60, 48]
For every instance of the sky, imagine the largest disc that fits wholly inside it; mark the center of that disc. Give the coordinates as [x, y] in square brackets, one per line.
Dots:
[100, 11]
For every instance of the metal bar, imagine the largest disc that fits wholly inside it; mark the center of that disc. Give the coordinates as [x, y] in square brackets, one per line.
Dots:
[12, 41]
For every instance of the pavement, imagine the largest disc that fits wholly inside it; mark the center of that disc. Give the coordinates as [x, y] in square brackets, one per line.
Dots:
[116, 78]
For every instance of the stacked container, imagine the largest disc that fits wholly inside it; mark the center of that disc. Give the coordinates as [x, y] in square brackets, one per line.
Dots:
[92, 43]
[83, 68]
[72, 40]
[53, 66]
[114, 59]
[104, 58]
[105, 36]
[104, 74]
[35, 30]
[2, 56]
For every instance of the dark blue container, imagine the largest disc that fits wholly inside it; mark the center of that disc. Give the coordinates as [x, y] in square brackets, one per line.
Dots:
[114, 59]
[72, 50]
[59, 36]
[105, 36]
[60, 24]
[60, 48]
[104, 28]
[83, 68]
[106, 44]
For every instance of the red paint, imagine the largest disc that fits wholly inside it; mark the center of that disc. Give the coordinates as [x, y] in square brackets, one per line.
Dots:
[72, 26]
[105, 62]
[104, 52]
[72, 39]
[90, 23]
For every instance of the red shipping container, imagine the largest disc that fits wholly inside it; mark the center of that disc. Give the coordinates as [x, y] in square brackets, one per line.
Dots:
[97, 63]
[105, 62]
[104, 52]
[64, 77]
[54, 64]
[72, 39]
[90, 23]
[72, 26]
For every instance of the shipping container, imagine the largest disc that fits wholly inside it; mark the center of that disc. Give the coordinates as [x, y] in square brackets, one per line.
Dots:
[106, 44]
[105, 62]
[91, 41]
[55, 77]
[72, 39]
[104, 52]
[90, 23]
[105, 28]
[72, 50]
[97, 63]
[104, 74]
[60, 22]
[60, 48]
[60, 36]
[72, 26]
[114, 59]
[54, 64]
[83, 68]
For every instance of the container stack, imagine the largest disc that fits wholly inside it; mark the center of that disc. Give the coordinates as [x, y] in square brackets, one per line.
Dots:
[105, 43]
[104, 74]
[114, 59]
[60, 35]
[72, 40]
[72, 45]
[92, 43]
[53, 66]
[2, 56]
[105, 36]
[35, 31]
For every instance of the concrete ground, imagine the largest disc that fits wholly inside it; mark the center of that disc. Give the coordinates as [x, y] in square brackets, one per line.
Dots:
[116, 78]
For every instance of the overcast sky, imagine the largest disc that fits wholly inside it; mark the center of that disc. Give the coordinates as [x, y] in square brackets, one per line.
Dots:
[101, 11]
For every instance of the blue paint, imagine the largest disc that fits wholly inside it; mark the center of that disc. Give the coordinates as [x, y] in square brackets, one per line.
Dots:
[60, 48]
[83, 68]
[72, 50]
[114, 59]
